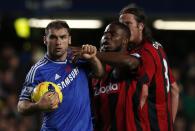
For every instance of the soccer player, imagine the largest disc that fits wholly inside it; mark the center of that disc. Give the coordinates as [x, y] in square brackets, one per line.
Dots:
[155, 102]
[74, 113]
[110, 91]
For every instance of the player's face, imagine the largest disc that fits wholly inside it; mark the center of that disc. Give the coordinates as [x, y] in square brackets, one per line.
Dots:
[57, 41]
[135, 27]
[112, 39]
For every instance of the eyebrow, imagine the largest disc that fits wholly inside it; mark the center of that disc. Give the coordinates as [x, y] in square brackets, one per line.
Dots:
[52, 35]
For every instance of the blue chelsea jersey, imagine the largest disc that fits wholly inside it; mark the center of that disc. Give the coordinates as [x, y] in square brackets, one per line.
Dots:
[74, 113]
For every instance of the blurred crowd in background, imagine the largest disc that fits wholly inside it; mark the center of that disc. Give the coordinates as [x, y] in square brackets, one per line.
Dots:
[13, 68]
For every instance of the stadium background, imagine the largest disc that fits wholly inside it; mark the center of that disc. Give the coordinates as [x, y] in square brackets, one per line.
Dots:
[18, 53]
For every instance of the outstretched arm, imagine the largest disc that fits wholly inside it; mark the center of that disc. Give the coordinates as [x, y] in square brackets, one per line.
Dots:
[88, 52]
[119, 59]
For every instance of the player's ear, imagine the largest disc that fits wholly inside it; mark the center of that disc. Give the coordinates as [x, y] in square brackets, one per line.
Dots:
[44, 40]
[69, 41]
[125, 42]
[141, 26]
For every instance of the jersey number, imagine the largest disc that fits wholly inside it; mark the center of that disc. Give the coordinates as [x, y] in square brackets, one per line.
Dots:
[166, 75]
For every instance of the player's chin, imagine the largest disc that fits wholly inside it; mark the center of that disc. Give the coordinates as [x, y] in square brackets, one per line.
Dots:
[108, 49]
[59, 53]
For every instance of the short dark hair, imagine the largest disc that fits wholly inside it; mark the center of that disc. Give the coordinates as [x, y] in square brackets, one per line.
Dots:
[140, 17]
[57, 24]
[123, 27]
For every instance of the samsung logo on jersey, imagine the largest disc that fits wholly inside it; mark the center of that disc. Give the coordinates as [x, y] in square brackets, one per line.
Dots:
[69, 78]
[106, 89]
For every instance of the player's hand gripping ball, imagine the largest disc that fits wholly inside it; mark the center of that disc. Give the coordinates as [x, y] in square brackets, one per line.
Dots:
[44, 87]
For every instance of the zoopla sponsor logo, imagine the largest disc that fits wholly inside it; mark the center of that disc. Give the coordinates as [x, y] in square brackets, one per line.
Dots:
[106, 89]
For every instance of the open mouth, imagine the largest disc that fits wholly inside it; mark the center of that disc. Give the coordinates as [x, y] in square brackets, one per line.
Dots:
[105, 46]
[58, 49]
[106, 43]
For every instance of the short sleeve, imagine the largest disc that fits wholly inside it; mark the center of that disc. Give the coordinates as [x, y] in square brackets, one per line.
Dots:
[32, 79]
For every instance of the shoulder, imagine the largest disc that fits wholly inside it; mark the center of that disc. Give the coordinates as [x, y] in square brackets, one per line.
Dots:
[39, 64]
[152, 45]
[35, 69]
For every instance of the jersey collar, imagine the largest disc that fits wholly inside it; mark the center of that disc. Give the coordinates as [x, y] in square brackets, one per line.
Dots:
[57, 62]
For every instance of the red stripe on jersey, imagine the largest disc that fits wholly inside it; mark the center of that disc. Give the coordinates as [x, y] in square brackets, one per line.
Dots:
[156, 113]
[159, 90]
[109, 103]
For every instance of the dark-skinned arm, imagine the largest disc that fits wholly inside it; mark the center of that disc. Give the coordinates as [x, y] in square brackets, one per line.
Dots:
[97, 68]
[119, 59]
[88, 53]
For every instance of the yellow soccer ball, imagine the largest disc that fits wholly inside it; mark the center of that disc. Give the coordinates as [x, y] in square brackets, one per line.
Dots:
[44, 87]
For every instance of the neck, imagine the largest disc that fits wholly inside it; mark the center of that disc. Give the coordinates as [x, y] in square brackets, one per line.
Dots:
[123, 49]
[57, 58]
[139, 40]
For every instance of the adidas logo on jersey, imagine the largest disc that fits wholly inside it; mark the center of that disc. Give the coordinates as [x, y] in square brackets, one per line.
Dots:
[57, 76]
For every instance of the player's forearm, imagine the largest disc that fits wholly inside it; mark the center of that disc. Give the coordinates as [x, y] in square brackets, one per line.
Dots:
[144, 95]
[175, 99]
[26, 107]
[97, 67]
[118, 59]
